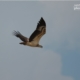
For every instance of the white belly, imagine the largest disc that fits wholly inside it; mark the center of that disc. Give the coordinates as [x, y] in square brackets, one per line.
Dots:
[33, 43]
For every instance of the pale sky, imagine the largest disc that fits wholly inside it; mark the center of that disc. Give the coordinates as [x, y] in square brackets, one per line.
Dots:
[59, 59]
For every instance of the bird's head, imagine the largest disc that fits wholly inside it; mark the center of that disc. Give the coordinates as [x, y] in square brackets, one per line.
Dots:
[40, 46]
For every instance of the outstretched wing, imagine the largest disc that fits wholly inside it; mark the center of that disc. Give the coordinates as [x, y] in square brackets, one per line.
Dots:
[19, 35]
[39, 32]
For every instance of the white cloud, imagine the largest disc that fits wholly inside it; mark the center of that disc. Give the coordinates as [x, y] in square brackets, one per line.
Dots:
[32, 64]
[49, 67]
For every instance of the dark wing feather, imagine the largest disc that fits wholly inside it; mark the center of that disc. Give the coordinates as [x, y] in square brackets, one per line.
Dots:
[34, 34]
[19, 35]
[41, 24]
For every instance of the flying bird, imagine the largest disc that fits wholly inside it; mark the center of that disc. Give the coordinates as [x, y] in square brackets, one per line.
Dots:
[35, 37]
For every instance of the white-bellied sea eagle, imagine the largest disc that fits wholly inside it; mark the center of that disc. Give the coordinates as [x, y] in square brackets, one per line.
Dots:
[33, 41]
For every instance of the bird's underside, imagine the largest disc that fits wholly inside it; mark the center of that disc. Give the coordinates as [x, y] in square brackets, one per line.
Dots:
[35, 37]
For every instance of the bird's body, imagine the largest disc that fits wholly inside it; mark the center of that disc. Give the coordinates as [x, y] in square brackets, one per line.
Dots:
[33, 41]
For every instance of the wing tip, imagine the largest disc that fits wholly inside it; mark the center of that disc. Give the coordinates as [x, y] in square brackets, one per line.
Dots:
[42, 18]
[41, 22]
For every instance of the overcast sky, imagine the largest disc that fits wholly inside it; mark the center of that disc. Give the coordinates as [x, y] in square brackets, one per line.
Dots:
[59, 59]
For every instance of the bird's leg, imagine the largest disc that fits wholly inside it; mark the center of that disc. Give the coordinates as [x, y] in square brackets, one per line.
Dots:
[22, 43]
